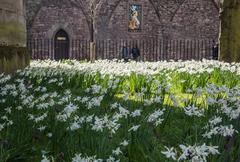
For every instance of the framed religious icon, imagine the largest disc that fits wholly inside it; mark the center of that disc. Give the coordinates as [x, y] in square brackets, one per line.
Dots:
[135, 18]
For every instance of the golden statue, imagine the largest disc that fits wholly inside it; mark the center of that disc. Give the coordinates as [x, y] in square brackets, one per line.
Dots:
[134, 23]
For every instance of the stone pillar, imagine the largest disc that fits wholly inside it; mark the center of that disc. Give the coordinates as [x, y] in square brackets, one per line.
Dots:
[13, 52]
[230, 31]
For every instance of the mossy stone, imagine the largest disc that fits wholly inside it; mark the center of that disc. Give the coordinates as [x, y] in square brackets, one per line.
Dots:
[13, 58]
[230, 31]
[12, 33]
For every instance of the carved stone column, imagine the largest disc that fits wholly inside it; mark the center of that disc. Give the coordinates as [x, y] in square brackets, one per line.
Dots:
[13, 52]
[230, 31]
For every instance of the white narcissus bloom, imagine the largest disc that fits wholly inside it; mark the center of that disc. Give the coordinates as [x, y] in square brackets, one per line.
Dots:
[14, 93]
[157, 99]
[213, 150]
[49, 135]
[207, 135]
[70, 108]
[155, 117]
[99, 124]
[117, 116]
[27, 100]
[110, 159]
[124, 143]
[53, 80]
[96, 89]
[45, 159]
[136, 113]
[170, 153]
[143, 90]
[1, 127]
[134, 128]
[89, 119]
[227, 130]
[44, 89]
[105, 68]
[114, 106]
[211, 101]
[4, 117]
[3, 101]
[87, 90]
[42, 128]
[74, 126]
[197, 153]
[124, 112]
[85, 99]
[147, 102]
[96, 101]
[79, 158]
[113, 126]
[40, 118]
[125, 96]
[215, 121]
[78, 98]
[117, 151]
[235, 114]
[193, 111]
[8, 110]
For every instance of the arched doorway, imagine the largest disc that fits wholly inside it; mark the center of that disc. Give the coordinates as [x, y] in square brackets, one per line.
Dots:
[61, 45]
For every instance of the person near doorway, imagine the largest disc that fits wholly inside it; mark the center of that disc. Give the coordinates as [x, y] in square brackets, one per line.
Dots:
[215, 51]
[125, 53]
[135, 52]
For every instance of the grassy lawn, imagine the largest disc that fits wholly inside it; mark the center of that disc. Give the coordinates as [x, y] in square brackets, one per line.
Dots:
[131, 112]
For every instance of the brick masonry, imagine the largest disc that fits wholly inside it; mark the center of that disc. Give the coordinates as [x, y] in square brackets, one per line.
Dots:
[172, 19]
[162, 20]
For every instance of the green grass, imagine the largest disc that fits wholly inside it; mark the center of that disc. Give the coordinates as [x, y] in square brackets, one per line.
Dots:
[22, 141]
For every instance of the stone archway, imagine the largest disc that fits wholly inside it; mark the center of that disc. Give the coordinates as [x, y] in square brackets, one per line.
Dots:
[45, 16]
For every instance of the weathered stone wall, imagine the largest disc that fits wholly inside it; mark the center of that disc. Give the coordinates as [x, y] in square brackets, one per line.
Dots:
[71, 19]
[196, 19]
[117, 26]
[176, 19]
[13, 52]
[32, 10]
[12, 23]
[13, 58]
[230, 31]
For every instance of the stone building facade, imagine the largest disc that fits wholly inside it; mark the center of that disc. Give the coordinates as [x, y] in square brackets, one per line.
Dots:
[114, 20]
[172, 19]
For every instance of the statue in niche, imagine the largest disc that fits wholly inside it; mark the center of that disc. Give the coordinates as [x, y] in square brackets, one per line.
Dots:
[135, 16]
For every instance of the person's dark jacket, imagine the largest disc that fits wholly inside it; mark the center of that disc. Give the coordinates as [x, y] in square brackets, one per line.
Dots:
[135, 52]
[125, 53]
[215, 51]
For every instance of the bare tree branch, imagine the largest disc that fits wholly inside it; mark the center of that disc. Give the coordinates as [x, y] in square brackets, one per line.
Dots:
[179, 6]
[216, 4]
